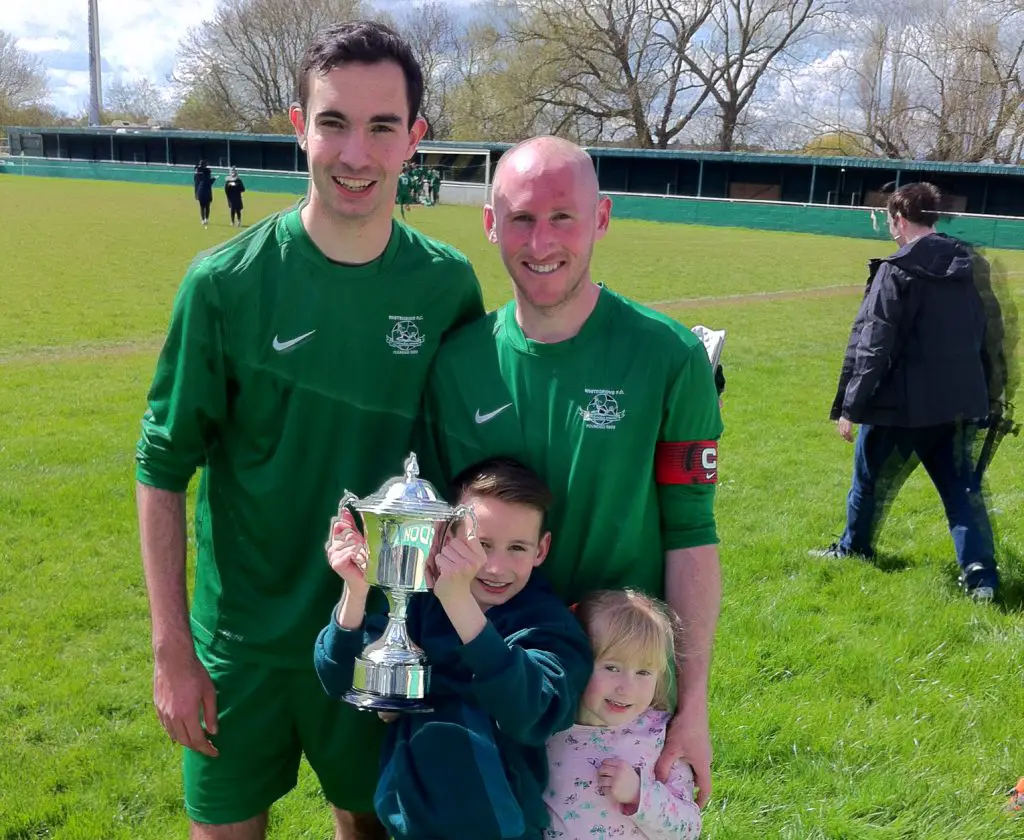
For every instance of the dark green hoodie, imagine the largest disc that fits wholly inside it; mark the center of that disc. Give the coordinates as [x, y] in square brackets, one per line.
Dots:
[476, 766]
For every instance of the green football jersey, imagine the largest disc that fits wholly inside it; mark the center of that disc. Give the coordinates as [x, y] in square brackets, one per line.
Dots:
[622, 421]
[289, 379]
[404, 184]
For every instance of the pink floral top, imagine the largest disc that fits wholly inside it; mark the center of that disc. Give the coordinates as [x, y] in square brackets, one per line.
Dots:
[578, 812]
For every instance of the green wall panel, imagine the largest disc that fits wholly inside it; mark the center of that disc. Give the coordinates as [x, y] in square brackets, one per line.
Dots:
[798, 218]
[293, 184]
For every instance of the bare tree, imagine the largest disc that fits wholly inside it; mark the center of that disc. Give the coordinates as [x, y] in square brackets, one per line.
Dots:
[200, 111]
[973, 76]
[618, 64]
[245, 58]
[22, 76]
[883, 78]
[744, 41]
[433, 35]
[493, 97]
[947, 84]
[138, 101]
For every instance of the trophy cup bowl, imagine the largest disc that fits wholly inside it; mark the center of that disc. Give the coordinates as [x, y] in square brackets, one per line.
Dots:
[404, 523]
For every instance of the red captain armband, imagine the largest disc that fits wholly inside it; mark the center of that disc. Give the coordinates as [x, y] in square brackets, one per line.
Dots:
[688, 462]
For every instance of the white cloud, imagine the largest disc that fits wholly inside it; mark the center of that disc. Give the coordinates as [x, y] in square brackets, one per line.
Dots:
[72, 87]
[34, 45]
[138, 39]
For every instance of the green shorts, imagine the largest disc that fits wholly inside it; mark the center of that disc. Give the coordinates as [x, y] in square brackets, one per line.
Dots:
[267, 718]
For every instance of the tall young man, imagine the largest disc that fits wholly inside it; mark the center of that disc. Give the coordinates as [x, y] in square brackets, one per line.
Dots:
[293, 370]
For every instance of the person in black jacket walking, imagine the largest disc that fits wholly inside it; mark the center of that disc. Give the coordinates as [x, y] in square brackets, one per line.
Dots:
[202, 186]
[916, 379]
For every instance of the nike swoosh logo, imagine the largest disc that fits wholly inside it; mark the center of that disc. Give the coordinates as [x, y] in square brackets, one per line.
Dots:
[490, 415]
[281, 346]
[709, 476]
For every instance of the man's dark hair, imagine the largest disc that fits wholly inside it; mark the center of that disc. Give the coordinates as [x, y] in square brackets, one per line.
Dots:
[505, 479]
[360, 42]
[919, 203]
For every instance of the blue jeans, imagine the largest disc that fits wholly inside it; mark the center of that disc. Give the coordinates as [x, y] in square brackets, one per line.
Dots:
[883, 459]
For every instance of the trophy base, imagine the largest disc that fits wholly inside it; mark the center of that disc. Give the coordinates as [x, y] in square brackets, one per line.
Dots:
[369, 702]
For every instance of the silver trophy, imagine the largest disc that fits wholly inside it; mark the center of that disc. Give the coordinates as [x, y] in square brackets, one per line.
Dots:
[405, 523]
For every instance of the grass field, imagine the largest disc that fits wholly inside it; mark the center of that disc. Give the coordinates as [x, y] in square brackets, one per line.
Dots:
[848, 701]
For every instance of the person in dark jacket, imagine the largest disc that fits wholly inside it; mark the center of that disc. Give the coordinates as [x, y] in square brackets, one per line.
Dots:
[509, 664]
[202, 186]
[233, 189]
[915, 377]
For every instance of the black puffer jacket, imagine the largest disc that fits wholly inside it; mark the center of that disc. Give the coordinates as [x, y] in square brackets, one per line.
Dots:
[915, 355]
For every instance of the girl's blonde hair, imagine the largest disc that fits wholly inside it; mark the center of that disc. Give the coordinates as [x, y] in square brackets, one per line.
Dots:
[630, 626]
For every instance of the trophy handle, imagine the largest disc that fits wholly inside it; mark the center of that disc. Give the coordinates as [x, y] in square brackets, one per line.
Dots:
[464, 512]
[344, 503]
[441, 535]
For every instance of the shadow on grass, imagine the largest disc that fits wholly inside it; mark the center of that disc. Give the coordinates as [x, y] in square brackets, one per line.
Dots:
[1011, 584]
[890, 562]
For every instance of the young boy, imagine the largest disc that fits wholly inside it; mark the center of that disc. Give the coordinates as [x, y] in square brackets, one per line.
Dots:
[509, 664]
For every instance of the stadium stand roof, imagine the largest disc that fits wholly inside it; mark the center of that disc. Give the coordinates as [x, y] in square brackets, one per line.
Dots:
[454, 147]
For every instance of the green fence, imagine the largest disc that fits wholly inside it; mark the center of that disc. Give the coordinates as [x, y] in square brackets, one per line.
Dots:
[987, 231]
[284, 182]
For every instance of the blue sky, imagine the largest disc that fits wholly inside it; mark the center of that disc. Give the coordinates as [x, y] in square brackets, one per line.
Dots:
[138, 39]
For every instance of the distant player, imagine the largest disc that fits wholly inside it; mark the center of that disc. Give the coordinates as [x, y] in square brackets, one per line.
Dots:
[435, 186]
[202, 188]
[233, 189]
[404, 195]
[416, 177]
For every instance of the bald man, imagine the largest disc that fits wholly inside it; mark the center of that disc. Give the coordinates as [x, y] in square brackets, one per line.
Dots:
[612, 403]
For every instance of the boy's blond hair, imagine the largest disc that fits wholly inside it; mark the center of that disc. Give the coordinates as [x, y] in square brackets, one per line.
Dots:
[627, 625]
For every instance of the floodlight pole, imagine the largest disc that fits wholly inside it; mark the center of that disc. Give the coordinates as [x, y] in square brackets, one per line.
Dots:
[95, 87]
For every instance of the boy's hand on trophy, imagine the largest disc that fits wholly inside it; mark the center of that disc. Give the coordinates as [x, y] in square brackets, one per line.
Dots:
[458, 563]
[347, 553]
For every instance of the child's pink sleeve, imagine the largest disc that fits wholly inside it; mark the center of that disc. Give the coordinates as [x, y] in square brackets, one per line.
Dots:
[667, 811]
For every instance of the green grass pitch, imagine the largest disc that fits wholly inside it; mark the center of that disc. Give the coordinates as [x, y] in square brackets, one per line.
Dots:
[848, 700]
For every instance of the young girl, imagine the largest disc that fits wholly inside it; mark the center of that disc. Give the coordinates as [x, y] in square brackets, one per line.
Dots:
[602, 769]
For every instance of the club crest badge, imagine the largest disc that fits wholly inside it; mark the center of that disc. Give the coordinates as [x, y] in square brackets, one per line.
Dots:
[603, 411]
[405, 337]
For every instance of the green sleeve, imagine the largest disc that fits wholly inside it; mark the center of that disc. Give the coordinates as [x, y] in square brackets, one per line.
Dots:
[691, 414]
[531, 682]
[188, 397]
[336, 649]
